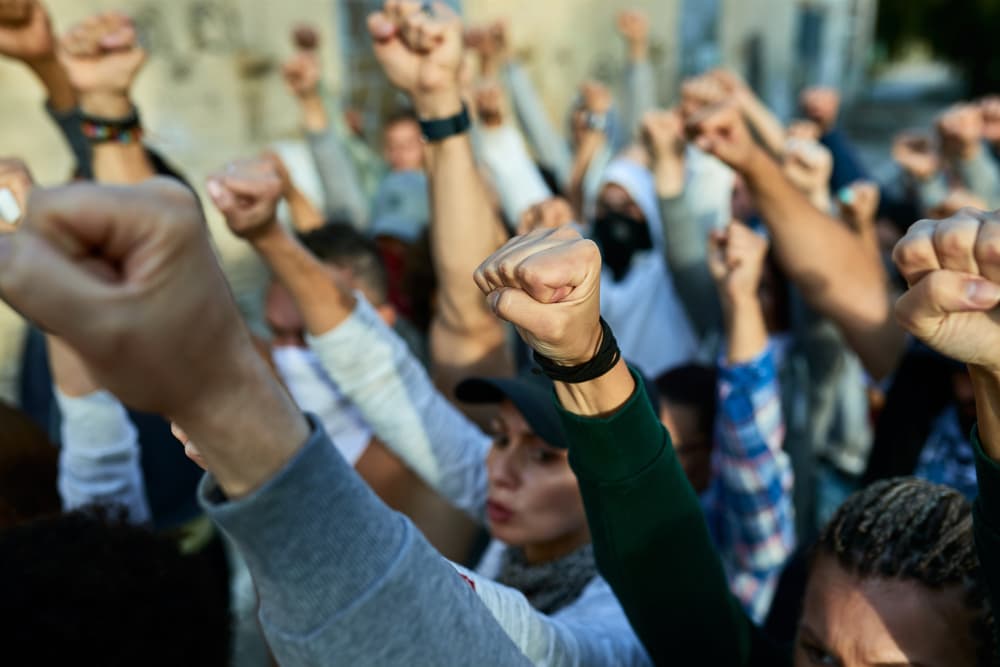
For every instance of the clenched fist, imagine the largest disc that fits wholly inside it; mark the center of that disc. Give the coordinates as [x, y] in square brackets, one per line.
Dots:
[736, 261]
[720, 130]
[953, 269]
[916, 155]
[633, 26]
[548, 285]
[102, 57]
[961, 131]
[821, 105]
[420, 47]
[302, 73]
[247, 193]
[25, 31]
[808, 164]
[663, 134]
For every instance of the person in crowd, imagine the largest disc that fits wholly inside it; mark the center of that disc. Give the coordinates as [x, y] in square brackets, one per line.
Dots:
[898, 540]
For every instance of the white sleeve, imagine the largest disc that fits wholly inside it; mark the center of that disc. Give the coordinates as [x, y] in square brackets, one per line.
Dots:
[591, 632]
[515, 177]
[100, 459]
[375, 369]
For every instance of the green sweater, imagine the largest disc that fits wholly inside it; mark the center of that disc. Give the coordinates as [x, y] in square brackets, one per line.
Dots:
[654, 549]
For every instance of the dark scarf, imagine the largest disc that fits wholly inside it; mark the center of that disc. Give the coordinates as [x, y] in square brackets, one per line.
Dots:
[619, 237]
[549, 586]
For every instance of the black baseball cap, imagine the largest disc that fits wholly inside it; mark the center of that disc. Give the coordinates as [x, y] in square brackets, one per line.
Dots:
[532, 394]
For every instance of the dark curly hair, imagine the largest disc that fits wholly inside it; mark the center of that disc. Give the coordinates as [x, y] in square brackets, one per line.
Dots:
[29, 465]
[906, 528]
[88, 588]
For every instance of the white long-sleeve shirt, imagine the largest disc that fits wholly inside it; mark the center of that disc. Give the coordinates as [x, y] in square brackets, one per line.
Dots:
[375, 369]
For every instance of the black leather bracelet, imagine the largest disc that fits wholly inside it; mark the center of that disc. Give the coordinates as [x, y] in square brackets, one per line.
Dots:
[442, 128]
[607, 356]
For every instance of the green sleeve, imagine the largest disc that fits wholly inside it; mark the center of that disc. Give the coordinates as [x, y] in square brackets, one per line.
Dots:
[986, 519]
[652, 544]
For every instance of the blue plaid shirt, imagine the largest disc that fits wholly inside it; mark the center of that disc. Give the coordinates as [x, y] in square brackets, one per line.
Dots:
[948, 457]
[748, 504]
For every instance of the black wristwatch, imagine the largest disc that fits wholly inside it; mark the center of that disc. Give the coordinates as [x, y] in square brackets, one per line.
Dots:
[442, 128]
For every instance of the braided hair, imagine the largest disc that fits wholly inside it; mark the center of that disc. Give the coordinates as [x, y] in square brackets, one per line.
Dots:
[906, 528]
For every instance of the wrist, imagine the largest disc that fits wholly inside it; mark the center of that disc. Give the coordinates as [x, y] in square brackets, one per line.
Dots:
[108, 105]
[268, 238]
[439, 105]
[668, 174]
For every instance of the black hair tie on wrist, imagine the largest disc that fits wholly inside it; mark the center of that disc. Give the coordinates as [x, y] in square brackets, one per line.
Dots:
[605, 359]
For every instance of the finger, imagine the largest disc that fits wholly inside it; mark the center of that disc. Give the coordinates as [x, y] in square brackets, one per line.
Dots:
[221, 196]
[941, 293]
[521, 310]
[955, 240]
[553, 275]
[988, 249]
[914, 255]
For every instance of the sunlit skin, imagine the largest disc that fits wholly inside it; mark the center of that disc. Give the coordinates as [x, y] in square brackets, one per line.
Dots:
[852, 622]
[403, 146]
[534, 500]
[692, 445]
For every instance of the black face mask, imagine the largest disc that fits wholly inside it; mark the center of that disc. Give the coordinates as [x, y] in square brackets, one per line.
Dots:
[619, 237]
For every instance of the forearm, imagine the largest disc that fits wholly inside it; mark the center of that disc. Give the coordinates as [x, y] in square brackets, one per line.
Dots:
[849, 284]
[640, 91]
[115, 162]
[746, 333]
[338, 573]
[374, 368]
[548, 144]
[590, 146]
[305, 216]
[51, 73]
[323, 303]
[766, 125]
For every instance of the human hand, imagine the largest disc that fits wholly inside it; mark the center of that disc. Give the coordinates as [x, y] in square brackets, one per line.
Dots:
[596, 97]
[916, 155]
[859, 205]
[808, 165]
[550, 214]
[821, 105]
[990, 109]
[302, 74]
[489, 104]
[736, 257]
[663, 135]
[702, 92]
[247, 193]
[274, 159]
[25, 31]
[633, 26]
[15, 178]
[102, 57]
[721, 131]
[422, 54]
[804, 129]
[953, 269]
[548, 285]
[961, 131]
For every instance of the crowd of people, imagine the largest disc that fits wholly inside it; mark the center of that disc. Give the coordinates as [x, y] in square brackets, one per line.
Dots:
[670, 387]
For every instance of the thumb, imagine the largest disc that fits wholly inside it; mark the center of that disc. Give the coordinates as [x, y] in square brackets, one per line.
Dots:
[518, 308]
[942, 293]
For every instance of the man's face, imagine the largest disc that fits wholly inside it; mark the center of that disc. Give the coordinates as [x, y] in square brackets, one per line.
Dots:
[403, 146]
[693, 446]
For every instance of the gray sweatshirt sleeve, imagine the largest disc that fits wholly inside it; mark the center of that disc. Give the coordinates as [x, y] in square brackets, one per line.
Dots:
[375, 369]
[640, 96]
[68, 123]
[981, 176]
[344, 580]
[513, 174]
[99, 462]
[686, 248]
[549, 145]
[341, 184]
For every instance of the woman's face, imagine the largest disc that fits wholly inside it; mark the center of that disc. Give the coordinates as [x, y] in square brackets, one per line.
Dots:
[852, 622]
[534, 501]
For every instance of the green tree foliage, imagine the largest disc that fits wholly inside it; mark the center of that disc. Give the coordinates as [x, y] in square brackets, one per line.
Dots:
[962, 32]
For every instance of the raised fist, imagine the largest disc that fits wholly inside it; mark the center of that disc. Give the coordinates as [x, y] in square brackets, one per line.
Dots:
[961, 131]
[953, 269]
[247, 193]
[489, 104]
[808, 164]
[302, 73]
[305, 37]
[551, 213]
[663, 134]
[596, 97]
[821, 105]
[702, 92]
[548, 285]
[916, 155]
[859, 205]
[736, 257]
[127, 277]
[16, 179]
[990, 108]
[25, 31]
[102, 56]
[633, 26]
[420, 47]
[721, 131]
